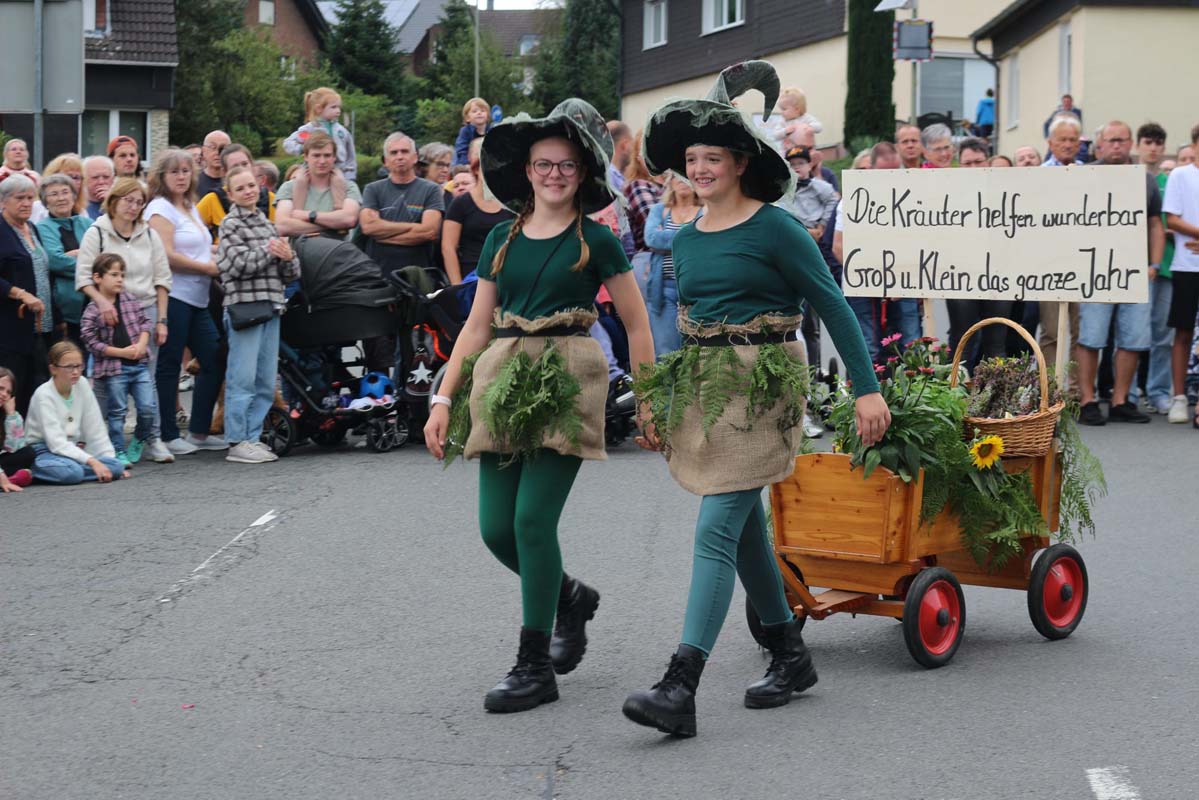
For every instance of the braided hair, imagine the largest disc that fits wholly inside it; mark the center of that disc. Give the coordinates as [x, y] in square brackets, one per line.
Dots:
[497, 263]
[584, 250]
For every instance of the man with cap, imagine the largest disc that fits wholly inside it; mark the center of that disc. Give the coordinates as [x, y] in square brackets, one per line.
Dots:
[815, 199]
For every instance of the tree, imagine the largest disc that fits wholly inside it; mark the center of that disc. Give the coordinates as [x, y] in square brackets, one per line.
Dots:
[451, 73]
[198, 24]
[583, 59]
[258, 99]
[869, 110]
[361, 49]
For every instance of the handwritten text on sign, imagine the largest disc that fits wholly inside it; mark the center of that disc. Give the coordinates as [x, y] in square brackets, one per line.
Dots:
[1037, 233]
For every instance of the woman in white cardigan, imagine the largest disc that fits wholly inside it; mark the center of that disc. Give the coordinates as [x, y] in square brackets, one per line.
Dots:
[65, 426]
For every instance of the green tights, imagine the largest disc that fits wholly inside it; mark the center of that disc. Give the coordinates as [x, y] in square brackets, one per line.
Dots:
[731, 540]
[519, 508]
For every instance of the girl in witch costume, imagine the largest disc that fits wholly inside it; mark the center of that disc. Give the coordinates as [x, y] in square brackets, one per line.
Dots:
[726, 407]
[529, 403]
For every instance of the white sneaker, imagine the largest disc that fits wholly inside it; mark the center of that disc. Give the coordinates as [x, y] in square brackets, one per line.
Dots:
[209, 442]
[811, 429]
[270, 453]
[158, 452]
[180, 447]
[1178, 409]
[247, 453]
[186, 382]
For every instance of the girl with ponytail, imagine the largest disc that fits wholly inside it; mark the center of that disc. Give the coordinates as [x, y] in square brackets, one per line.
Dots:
[529, 400]
[322, 110]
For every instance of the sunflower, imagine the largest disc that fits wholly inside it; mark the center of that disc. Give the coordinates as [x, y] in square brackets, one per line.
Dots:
[986, 451]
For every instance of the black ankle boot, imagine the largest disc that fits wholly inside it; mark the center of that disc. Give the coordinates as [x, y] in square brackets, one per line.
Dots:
[790, 668]
[670, 705]
[577, 603]
[531, 682]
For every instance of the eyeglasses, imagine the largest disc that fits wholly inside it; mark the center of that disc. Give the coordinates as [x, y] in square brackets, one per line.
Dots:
[133, 200]
[70, 367]
[566, 169]
[1117, 140]
[443, 164]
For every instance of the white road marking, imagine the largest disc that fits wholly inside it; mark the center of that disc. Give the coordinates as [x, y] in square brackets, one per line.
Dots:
[1112, 783]
[197, 573]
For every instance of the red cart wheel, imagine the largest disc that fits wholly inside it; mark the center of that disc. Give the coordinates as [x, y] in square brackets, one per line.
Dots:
[934, 617]
[1057, 592]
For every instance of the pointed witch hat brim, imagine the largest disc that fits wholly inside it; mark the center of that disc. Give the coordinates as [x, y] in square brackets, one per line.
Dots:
[506, 152]
[715, 122]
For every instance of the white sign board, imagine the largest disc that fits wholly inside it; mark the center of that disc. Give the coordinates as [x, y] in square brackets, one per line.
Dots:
[1075, 234]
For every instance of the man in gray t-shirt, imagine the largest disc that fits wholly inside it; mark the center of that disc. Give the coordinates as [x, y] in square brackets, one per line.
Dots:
[401, 214]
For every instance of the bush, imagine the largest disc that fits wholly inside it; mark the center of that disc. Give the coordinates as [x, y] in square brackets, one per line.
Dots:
[437, 120]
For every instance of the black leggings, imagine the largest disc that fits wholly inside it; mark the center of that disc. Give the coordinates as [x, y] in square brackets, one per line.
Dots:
[18, 459]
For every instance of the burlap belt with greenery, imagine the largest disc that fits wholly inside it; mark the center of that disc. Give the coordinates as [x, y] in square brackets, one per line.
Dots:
[544, 389]
[728, 416]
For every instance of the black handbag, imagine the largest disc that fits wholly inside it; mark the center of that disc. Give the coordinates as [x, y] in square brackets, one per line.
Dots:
[247, 315]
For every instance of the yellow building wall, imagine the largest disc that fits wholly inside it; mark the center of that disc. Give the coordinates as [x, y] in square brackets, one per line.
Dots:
[1038, 95]
[1124, 65]
[818, 69]
[1139, 67]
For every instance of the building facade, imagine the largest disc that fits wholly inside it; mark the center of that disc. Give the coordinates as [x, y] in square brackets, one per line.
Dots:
[674, 48]
[297, 26]
[1126, 61]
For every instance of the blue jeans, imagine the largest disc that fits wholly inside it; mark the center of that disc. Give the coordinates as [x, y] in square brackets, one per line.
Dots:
[192, 327]
[903, 317]
[663, 323]
[50, 468]
[250, 379]
[100, 390]
[134, 381]
[1160, 384]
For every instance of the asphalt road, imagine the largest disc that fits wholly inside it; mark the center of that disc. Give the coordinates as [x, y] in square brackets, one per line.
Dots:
[326, 627]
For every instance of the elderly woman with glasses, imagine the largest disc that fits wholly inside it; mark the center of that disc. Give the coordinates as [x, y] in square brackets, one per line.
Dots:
[65, 427]
[26, 321]
[61, 233]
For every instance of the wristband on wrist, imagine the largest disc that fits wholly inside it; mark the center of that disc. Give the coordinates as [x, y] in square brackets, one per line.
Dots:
[440, 400]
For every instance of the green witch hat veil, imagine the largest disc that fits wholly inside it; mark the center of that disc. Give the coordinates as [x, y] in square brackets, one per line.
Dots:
[715, 122]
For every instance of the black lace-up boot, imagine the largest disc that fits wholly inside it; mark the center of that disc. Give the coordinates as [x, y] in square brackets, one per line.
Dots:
[790, 668]
[531, 682]
[670, 705]
[577, 603]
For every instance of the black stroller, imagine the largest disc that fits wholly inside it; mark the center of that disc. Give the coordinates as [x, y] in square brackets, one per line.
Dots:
[343, 300]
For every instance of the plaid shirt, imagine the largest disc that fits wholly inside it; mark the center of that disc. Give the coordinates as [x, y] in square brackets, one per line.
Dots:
[98, 335]
[248, 271]
[641, 196]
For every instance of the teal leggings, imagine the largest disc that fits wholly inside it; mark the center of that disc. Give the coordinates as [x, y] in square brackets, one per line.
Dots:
[731, 539]
[519, 508]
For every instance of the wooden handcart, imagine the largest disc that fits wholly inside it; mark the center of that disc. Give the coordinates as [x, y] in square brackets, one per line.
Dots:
[864, 541]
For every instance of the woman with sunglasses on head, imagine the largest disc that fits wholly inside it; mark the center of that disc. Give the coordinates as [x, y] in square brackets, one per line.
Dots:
[743, 271]
[538, 278]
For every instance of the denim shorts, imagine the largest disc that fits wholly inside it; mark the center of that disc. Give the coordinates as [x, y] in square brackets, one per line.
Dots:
[1133, 327]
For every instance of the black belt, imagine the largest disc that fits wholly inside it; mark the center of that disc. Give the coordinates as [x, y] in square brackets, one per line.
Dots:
[733, 339]
[553, 330]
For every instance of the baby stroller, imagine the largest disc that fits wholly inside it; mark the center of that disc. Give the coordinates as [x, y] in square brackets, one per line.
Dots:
[343, 300]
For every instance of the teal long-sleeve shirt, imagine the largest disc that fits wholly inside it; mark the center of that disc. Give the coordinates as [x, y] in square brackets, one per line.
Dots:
[62, 266]
[768, 264]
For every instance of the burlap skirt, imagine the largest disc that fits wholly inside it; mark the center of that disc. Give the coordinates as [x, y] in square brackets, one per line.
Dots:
[584, 360]
[736, 454]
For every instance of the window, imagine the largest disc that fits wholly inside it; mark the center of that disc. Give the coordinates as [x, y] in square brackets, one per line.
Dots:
[98, 126]
[266, 12]
[654, 27]
[721, 14]
[528, 44]
[1012, 100]
[1065, 43]
[953, 85]
[95, 17]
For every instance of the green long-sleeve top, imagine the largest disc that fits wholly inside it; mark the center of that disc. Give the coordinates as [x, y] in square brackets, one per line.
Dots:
[768, 264]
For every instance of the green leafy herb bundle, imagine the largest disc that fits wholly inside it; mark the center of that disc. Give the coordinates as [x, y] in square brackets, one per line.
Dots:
[1009, 387]
[531, 399]
[459, 428]
[712, 376]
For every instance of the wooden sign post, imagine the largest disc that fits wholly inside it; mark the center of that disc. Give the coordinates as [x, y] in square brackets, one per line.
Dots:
[1065, 235]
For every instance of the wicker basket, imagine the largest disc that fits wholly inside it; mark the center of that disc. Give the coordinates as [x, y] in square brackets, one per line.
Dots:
[1027, 435]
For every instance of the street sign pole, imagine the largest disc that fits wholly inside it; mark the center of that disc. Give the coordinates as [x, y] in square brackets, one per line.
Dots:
[39, 102]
